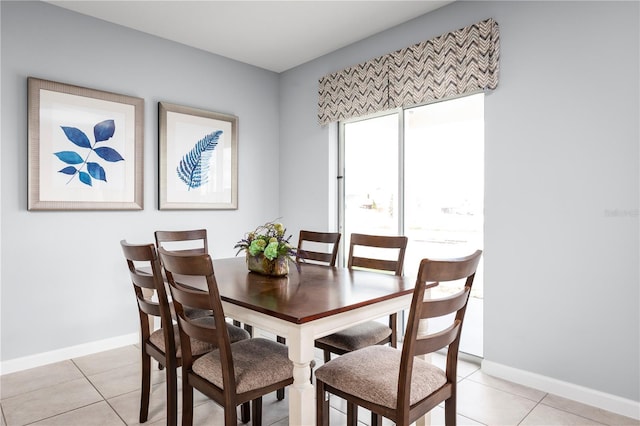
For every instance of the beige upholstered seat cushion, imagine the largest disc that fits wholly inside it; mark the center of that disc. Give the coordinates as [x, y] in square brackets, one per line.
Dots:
[197, 347]
[372, 374]
[357, 337]
[257, 363]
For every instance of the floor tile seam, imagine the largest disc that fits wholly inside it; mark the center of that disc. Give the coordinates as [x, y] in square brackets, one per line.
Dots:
[467, 375]
[124, 422]
[91, 383]
[121, 393]
[528, 413]
[108, 401]
[102, 371]
[471, 418]
[63, 412]
[104, 397]
[40, 389]
[79, 369]
[506, 391]
[578, 414]
[62, 382]
[101, 394]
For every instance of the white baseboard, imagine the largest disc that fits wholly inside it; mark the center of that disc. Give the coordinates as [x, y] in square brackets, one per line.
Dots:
[37, 360]
[605, 401]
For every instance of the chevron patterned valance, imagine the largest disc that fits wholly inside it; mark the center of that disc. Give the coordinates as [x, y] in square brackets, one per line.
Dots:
[459, 62]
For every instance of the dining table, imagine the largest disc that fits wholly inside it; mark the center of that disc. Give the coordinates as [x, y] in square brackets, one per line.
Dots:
[310, 302]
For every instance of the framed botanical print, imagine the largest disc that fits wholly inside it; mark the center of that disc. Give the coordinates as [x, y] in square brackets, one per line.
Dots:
[85, 148]
[198, 155]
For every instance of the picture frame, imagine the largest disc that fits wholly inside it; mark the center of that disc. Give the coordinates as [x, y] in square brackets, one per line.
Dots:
[198, 159]
[85, 148]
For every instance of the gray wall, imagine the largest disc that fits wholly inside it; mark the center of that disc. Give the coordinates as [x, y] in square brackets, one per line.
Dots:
[562, 183]
[64, 281]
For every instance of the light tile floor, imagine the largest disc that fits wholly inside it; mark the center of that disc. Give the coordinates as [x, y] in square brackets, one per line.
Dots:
[103, 389]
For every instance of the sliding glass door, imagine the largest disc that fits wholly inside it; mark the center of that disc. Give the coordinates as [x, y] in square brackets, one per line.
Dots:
[419, 172]
[372, 176]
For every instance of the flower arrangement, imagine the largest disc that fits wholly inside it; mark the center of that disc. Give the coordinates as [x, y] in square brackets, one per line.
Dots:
[268, 251]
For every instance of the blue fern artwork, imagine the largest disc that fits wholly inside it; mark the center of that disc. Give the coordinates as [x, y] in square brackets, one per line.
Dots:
[193, 169]
[80, 165]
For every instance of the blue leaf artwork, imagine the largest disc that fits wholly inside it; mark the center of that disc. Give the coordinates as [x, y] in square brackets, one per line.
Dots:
[87, 170]
[193, 169]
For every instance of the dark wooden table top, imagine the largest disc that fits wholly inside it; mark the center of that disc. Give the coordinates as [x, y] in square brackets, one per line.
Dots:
[314, 292]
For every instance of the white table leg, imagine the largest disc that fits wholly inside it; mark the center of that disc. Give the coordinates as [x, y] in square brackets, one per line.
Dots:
[302, 407]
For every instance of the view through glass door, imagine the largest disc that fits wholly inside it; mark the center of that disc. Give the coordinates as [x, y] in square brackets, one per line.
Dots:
[420, 173]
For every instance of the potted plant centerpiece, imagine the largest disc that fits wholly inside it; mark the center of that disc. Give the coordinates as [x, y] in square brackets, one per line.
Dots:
[268, 251]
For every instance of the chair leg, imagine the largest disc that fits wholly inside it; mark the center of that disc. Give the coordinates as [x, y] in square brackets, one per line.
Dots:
[172, 395]
[187, 401]
[322, 405]
[352, 414]
[376, 420]
[327, 356]
[145, 388]
[256, 411]
[230, 417]
[280, 392]
[450, 411]
[245, 412]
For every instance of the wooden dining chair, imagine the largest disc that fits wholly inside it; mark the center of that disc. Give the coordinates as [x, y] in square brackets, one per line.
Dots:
[189, 241]
[310, 244]
[372, 332]
[397, 384]
[193, 241]
[234, 373]
[160, 344]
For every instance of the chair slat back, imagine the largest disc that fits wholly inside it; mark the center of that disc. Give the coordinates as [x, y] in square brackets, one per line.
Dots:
[190, 241]
[437, 341]
[199, 329]
[445, 270]
[389, 243]
[328, 238]
[145, 255]
[439, 307]
[436, 271]
[148, 306]
[140, 281]
[199, 267]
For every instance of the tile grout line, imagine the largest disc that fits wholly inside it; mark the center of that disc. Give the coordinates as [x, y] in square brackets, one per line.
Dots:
[572, 413]
[530, 411]
[99, 393]
[59, 414]
[538, 402]
[508, 392]
[53, 385]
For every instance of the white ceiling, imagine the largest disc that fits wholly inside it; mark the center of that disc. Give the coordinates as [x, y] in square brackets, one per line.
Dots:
[275, 35]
